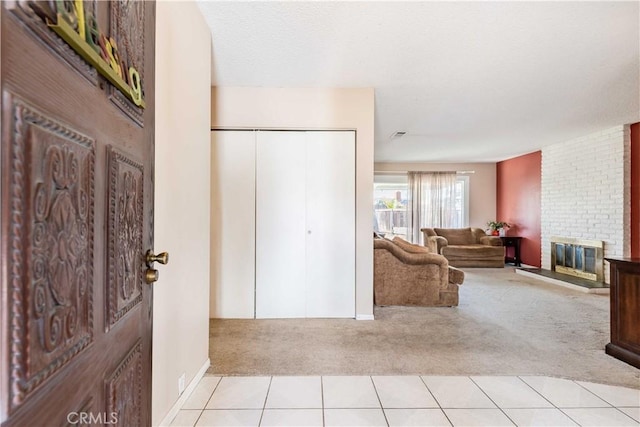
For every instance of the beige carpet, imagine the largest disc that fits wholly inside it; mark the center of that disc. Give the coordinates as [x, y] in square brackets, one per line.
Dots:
[506, 324]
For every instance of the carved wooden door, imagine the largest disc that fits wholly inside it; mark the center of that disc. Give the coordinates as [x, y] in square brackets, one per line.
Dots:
[77, 194]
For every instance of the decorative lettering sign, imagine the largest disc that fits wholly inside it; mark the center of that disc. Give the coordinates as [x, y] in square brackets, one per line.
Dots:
[80, 30]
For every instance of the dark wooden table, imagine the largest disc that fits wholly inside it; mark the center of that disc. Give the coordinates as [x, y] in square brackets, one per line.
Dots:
[625, 310]
[512, 242]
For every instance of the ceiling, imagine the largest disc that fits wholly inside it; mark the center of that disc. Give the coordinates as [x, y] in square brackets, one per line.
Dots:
[468, 81]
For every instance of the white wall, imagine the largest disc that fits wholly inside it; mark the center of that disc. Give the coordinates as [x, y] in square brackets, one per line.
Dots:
[586, 192]
[182, 173]
[287, 108]
[482, 185]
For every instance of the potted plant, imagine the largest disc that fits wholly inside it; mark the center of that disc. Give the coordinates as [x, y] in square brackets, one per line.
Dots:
[498, 227]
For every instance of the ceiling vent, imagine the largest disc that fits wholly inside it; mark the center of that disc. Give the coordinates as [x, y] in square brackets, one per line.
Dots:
[399, 134]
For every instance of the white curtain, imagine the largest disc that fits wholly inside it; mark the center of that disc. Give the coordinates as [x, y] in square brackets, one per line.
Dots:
[432, 202]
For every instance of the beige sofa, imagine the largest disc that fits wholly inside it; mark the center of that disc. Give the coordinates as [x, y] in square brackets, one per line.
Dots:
[465, 247]
[407, 274]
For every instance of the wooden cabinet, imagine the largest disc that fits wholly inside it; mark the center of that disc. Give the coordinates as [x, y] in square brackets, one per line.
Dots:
[625, 310]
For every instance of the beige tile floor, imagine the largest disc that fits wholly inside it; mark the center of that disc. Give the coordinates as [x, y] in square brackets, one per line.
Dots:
[407, 401]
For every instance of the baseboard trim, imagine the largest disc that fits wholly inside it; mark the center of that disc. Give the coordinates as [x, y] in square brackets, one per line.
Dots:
[364, 317]
[185, 394]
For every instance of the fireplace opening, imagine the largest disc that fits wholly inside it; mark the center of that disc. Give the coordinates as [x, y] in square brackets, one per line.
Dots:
[578, 257]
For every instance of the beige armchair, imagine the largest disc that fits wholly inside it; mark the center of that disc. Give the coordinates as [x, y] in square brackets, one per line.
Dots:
[407, 274]
[465, 247]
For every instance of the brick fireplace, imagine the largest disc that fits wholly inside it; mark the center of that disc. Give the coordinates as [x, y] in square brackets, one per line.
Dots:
[585, 194]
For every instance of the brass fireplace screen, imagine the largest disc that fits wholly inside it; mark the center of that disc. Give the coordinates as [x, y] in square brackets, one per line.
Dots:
[578, 257]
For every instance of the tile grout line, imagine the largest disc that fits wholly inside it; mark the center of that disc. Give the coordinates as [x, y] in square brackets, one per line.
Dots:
[434, 398]
[627, 415]
[322, 398]
[492, 401]
[618, 408]
[554, 405]
[598, 396]
[264, 405]
[209, 399]
[604, 400]
[384, 414]
[537, 392]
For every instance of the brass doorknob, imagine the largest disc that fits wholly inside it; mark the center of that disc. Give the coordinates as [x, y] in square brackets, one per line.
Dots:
[150, 258]
[151, 275]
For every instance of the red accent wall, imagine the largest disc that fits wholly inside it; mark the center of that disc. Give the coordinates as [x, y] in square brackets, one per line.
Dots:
[518, 202]
[635, 190]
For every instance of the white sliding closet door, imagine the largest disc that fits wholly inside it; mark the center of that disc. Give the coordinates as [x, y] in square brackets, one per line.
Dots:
[330, 254]
[233, 209]
[305, 224]
[280, 224]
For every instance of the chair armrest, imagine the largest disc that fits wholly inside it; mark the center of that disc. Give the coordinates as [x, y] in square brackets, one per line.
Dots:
[436, 243]
[456, 276]
[491, 241]
[432, 240]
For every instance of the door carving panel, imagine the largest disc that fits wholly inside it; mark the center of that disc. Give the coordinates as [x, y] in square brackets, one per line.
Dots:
[127, 19]
[125, 222]
[51, 263]
[124, 389]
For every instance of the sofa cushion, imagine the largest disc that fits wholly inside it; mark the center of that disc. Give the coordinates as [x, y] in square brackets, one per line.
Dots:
[491, 241]
[410, 247]
[473, 252]
[456, 236]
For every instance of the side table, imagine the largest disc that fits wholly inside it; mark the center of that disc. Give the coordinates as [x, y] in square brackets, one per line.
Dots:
[512, 242]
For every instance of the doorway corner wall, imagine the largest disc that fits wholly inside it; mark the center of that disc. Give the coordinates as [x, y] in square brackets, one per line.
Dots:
[182, 206]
